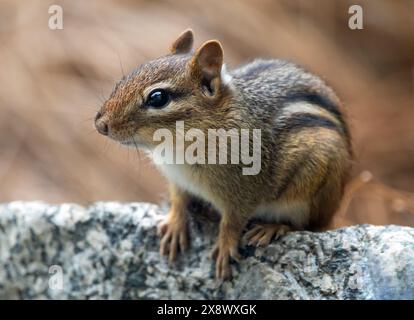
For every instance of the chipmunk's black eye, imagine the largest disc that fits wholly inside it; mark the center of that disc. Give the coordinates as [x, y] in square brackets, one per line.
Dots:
[158, 98]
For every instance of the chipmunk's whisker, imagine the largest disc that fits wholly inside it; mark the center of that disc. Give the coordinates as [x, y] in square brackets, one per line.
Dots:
[136, 147]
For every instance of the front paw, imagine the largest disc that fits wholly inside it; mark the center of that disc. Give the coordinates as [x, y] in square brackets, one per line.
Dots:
[222, 255]
[174, 238]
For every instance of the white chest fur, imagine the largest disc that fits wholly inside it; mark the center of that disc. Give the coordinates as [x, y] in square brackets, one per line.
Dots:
[183, 176]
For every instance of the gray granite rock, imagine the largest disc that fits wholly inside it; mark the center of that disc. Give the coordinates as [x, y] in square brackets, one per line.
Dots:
[110, 251]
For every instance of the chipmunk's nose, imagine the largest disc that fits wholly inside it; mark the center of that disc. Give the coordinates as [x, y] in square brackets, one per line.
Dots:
[101, 125]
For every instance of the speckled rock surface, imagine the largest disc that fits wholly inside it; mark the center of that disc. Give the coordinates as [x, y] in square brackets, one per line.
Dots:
[110, 251]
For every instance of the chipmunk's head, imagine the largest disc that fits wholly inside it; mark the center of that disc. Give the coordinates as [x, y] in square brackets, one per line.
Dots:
[181, 86]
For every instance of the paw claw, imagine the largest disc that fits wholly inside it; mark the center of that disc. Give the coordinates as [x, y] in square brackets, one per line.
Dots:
[223, 256]
[262, 234]
[162, 229]
[174, 239]
[214, 253]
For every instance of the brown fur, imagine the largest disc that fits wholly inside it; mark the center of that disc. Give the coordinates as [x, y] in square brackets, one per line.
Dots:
[305, 155]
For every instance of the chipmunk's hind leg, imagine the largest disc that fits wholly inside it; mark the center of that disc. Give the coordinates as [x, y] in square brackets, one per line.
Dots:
[263, 233]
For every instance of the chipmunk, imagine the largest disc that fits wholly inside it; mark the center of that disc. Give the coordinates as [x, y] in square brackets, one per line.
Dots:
[305, 143]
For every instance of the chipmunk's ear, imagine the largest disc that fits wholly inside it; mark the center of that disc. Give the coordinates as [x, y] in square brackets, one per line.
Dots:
[206, 65]
[184, 43]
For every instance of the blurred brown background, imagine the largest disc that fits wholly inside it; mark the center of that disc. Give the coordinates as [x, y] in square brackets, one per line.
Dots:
[53, 81]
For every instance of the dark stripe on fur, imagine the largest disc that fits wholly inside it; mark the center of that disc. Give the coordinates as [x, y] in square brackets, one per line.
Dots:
[289, 176]
[322, 101]
[299, 121]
